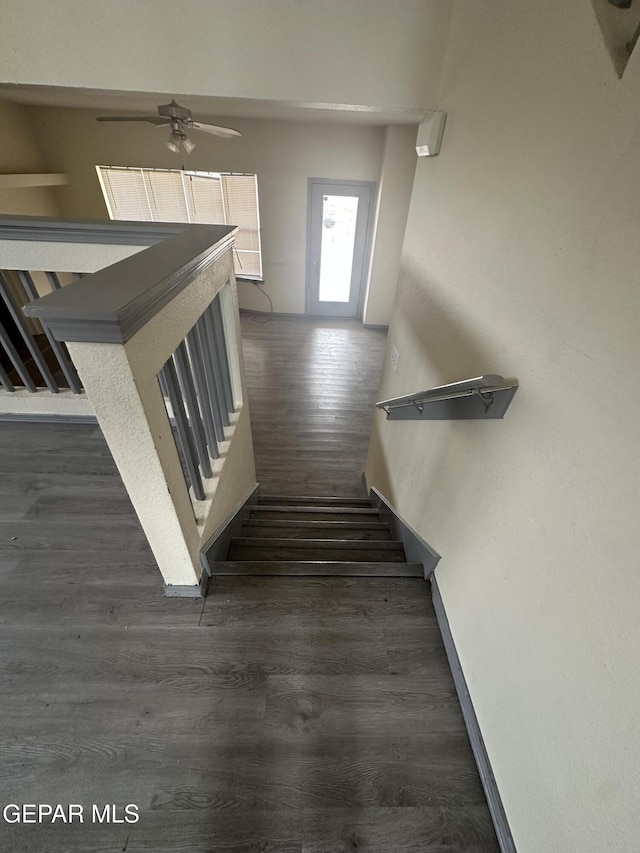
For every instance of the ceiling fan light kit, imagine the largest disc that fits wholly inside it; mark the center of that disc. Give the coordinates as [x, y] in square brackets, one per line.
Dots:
[179, 119]
[179, 137]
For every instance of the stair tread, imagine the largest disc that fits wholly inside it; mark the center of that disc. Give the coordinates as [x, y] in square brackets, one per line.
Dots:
[356, 544]
[294, 535]
[337, 508]
[330, 530]
[323, 549]
[318, 568]
[318, 525]
[310, 500]
[319, 508]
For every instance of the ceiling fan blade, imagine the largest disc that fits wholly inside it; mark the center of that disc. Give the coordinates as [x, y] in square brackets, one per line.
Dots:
[152, 119]
[224, 132]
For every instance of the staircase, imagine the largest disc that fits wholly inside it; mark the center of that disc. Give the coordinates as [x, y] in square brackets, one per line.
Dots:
[314, 536]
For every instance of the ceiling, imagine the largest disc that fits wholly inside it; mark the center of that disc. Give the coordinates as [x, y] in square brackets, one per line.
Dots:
[205, 107]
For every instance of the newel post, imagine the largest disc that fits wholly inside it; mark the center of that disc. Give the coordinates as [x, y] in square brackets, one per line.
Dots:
[121, 325]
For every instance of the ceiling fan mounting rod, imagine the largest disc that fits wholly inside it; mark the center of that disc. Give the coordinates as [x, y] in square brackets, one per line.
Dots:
[174, 111]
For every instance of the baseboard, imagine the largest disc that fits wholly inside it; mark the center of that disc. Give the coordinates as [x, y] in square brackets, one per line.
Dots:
[217, 545]
[310, 318]
[196, 591]
[419, 551]
[494, 801]
[280, 315]
[378, 327]
[415, 548]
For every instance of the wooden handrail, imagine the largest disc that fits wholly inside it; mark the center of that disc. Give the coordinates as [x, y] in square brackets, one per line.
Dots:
[111, 305]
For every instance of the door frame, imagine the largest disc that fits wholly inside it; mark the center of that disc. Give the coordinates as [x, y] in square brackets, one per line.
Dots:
[368, 241]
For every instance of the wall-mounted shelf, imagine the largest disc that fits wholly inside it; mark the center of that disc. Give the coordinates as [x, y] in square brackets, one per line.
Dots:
[484, 398]
[22, 181]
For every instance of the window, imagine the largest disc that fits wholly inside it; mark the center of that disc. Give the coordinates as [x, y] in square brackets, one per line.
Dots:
[172, 195]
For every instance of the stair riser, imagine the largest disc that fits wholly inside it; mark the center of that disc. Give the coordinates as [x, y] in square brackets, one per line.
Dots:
[315, 537]
[327, 552]
[311, 514]
[318, 569]
[257, 529]
[276, 500]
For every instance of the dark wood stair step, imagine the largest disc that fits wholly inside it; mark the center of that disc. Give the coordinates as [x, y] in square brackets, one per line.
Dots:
[317, 568]
[295, 500]
[316, 513]
[255, 548]
[279, 529]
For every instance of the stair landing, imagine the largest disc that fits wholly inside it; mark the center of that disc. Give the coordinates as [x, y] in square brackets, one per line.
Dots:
[360, 744]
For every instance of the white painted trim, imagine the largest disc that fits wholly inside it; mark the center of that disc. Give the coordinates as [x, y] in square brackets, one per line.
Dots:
[24, 405]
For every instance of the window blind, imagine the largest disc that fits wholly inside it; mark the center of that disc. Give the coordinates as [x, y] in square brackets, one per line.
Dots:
[166, 196]
[204, 197]
[171, 195]
[240, 192]
[125, 194]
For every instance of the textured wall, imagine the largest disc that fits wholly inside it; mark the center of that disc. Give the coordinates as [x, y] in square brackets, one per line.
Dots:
[283, 155]
[396, 180]
[20, 153]
[521, 257]
[366, 52]
[121, 383]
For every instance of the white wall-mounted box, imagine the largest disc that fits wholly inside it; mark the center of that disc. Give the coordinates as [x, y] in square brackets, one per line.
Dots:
[430, 134]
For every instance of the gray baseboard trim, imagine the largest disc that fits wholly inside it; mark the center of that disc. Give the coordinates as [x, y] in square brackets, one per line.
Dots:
[494, 801]
[380, 327]
[415, 547]
[196, 591]
[216, 547]
[35, 417]
[310, 318]
[279, 315]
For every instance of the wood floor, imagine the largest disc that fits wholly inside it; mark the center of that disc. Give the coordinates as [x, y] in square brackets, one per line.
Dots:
[312, 389]
[280, 715]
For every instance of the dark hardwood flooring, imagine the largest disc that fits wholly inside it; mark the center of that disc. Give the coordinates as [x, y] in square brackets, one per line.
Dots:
[312, 388]
[280, 715]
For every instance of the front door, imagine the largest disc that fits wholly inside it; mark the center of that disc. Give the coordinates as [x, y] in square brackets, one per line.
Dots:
[339, 228]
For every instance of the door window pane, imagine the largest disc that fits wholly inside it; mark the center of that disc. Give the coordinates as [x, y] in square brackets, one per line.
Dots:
[339, 214]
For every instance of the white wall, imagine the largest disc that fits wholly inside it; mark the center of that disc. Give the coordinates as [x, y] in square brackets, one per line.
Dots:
[396, 180]
[364, 52]
[521, 257]
[20, 154]
[283, 154]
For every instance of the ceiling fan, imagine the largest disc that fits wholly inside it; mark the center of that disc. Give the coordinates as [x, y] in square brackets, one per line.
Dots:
[179, 118]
